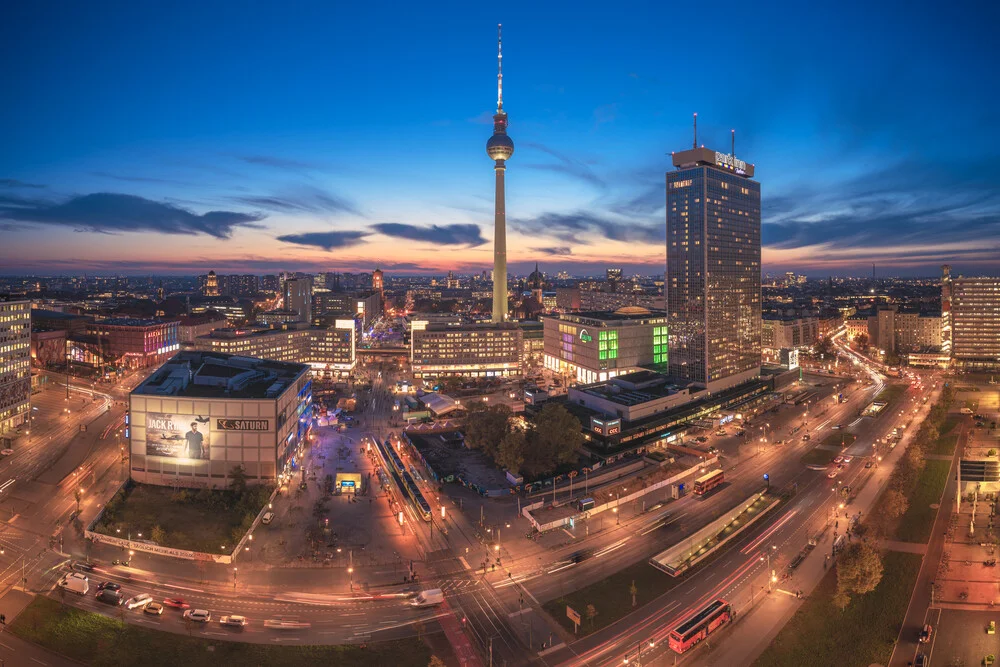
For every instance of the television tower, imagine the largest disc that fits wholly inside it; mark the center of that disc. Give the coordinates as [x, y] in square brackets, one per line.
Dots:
[500, 148]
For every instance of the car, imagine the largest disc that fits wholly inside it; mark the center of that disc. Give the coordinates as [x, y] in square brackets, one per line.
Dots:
[234, 621]
[779, 442]
[701, 438]
[198, 615]
[739, 433]
[108, 586]
[920, 660]
[140, 600]
[154, 608]
[837, 427]
[868, 464]
[807, 437]
[111, 597]
[81, 566]
[848, 459]
[925, 634]
[832, 474]
[267, 518]
[838, 459]
[6, 452]
[176, 603]
[991, 629]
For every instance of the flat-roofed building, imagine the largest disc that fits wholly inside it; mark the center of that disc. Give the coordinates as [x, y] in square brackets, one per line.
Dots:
[793, 333]
[329, 352]
[975, 322]
[136, 343]
[594, 346]
[470, 350]
[15, 365]
[202, 413]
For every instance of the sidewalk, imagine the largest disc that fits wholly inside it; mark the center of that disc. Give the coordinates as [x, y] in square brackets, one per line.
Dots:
[754, 630]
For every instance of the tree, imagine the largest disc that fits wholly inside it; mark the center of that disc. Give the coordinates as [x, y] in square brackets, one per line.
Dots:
[590, 614]
[823, 346]
[862, 341]
[895, 504]
[238, 480]
[485, 427]
[859, 571]
[554, 439]
[158, 535]
[511, 451]
[632, 591]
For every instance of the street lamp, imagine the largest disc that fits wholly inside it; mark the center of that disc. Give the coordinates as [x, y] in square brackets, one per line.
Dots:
[771, 578]
[234, 578]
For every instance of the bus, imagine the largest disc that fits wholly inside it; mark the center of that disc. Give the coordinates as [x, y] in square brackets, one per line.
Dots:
[706, 483]
[699, 626]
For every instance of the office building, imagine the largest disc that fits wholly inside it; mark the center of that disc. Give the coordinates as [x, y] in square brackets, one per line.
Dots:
[132, 343]
[15, 365]
[712, 280]
[975, 323]
[270, 283]
[789, 333]
[189, 327]
[329, 352]
[593, 347]
[201, 414]
[298, 298]
[469, 350]
[326, 304]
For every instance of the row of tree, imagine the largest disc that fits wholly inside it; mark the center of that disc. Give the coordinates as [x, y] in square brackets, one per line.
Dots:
[859, 567]
[534, 447]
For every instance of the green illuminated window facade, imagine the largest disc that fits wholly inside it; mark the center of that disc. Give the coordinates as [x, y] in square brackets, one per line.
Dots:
[607, 344]
[659, 345]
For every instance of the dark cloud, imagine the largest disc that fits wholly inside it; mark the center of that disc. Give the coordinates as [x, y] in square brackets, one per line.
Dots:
[566, 165]
[462, 234]
[303, 199]
[561, 250]
[14, 183]
[109, 212]
[570, 226]
[277, 162]
[325, 240]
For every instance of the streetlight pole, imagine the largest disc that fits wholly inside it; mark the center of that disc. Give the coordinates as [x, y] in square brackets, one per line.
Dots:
[234, 578]
[350, 567]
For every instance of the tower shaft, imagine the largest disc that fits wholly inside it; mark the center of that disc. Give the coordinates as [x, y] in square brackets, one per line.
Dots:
[500, 247]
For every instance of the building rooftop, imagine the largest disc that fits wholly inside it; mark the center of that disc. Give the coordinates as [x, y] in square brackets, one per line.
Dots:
[217, 375]
[132, 322]
[599, 317]
[706, 157]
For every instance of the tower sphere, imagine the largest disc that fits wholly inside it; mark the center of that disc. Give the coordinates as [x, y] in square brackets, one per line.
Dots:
[499, 147]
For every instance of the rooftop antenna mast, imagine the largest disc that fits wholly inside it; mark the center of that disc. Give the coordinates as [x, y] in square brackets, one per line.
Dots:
[499, 70]
[694, 144]
[734, 143]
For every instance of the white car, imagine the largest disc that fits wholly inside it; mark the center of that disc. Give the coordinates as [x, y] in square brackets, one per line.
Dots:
[140, 600]
[198, 615]
[832, 474]
[848, 459]
[234, 621]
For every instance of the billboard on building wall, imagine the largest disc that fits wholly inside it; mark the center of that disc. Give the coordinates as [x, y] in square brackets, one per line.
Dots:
[177, 436]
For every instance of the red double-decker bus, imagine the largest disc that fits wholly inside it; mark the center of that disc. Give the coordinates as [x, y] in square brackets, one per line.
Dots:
[699, 626]
[706, 483]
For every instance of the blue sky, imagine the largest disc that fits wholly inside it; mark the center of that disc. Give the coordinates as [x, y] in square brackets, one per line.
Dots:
[334, 136]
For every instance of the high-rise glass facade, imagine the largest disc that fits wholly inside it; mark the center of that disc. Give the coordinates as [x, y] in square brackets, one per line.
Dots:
[713, 290]
[975, 321]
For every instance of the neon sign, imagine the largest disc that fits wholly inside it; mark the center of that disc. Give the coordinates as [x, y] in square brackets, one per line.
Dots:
[730, 162]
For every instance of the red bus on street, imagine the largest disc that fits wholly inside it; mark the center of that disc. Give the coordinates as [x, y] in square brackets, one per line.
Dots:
[706, 483]
[699, 626]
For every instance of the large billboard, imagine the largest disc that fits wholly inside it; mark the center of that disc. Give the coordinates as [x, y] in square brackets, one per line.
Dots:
[177, 436]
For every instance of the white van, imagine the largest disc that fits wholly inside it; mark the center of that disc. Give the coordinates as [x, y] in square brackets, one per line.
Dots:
[428, 598]
[75, 582]
[268, 518]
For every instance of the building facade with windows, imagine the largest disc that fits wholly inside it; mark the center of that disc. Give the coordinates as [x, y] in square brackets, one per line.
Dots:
[329, 352]
[201, 414]
[15, 365]
[135, 343]
[469, 350]
[712, 280]
[593, 347]
[975, 322]
[779, 333]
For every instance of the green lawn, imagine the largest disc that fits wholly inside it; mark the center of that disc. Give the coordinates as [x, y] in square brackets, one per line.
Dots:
[891, 393]
[862, 634]
[950, 422]
[97, 640]
[839, 438]
[916, 524]
[201, 520]
[818, 456]
[611, 597]
[945, 444]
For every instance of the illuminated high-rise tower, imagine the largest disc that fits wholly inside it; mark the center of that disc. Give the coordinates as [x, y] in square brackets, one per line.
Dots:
[500, 148]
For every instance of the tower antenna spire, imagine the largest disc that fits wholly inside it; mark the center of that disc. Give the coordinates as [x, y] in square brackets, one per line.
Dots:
[499, 69]
[734, 143]
[694, 144]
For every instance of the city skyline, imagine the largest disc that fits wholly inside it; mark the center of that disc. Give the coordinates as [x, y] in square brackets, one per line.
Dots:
[301, 156]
